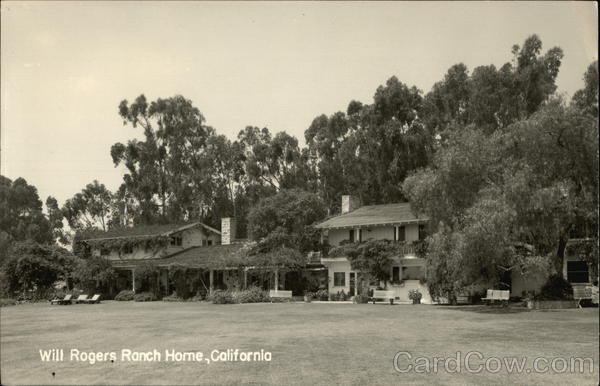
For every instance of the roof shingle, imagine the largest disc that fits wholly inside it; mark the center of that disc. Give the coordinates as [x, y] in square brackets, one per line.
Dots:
[208, 257]
[374, 215]
[144, 231]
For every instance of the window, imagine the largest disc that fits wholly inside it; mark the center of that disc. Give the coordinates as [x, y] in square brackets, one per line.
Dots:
[204, 243]
[360, 235]
[104, 251]
[422, 232]
[351, 235]
[209, 242]
[339, 279]
[176, 241]
[127, 249]
[400, 233]
[395, 274]
[577, 272]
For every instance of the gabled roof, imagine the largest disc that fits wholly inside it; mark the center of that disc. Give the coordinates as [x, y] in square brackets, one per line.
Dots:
[388, 214]
[210, 257]
[144, 231]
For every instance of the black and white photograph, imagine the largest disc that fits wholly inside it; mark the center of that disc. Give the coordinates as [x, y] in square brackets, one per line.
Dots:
[299, 193]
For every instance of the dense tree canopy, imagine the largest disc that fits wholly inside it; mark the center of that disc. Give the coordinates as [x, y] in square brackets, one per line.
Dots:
[510, 199]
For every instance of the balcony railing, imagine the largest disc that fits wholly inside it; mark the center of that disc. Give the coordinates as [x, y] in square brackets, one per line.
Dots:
[415, 248]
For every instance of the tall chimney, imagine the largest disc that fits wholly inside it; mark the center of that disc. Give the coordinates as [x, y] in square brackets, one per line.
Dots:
[228, 226]
[349, 203]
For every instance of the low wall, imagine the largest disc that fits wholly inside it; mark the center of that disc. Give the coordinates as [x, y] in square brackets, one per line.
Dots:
[551, 304]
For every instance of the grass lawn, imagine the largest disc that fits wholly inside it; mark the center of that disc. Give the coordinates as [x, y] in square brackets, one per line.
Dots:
[310, 343]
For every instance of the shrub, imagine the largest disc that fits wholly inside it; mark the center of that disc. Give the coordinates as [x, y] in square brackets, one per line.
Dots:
[251, 295]
[125, 295]
[361, 299]
[321, 294]
[556, 288]
[340, 296]
[414, 294]
[173, 298]
[196, 298]
[145, 297]
[221, 297]
[7, 302]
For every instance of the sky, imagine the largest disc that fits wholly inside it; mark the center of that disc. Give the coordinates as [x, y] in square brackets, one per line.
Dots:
[65, 66]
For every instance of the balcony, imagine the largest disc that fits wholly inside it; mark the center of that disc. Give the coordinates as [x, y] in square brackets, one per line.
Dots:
[412, 248]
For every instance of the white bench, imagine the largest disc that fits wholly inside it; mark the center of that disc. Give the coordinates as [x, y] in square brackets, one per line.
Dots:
[280, 294]
[584, 292]
[385, 295]
[497, 295]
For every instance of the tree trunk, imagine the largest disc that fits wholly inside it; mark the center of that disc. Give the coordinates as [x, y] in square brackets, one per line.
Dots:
[560, 255]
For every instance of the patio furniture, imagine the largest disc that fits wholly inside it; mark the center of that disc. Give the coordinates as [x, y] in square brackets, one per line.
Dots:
[384, 295]
[94, 300]
[65, 301]
[496, 295]
[583, 292]
[81, 299]
[280, 294]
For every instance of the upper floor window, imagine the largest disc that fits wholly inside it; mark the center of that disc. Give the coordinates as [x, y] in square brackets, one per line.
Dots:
[422, 231]
[176, 241]
[400, 233]
[127, 249]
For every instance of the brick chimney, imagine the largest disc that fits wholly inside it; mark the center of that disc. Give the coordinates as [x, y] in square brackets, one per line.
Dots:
[349, 203]
[228, 225]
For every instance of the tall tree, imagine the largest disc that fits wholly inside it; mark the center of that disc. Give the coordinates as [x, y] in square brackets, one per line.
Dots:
[511, 198]
[166, 171]
[274, 161]
[491, 97]
[586, 99]
[372, 148]
[91, 208]
[21, 216]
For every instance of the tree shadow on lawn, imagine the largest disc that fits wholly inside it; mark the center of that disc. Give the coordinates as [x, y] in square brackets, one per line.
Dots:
[483, 309]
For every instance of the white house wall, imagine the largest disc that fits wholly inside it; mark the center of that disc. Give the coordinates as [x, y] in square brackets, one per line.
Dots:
[190, 238]
[401, 290]
[336, 236]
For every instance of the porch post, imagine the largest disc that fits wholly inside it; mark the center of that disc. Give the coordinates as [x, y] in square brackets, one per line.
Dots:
[245, 278]
[276, 279]
[167, 282]
[133, 280]
[158, 282]
[211, 281]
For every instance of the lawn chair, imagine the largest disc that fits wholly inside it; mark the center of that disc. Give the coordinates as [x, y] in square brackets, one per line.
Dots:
[94, 300]
[65, 301]
[81, 299]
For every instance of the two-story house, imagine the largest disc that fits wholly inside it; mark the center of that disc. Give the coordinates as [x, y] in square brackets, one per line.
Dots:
[395, 222]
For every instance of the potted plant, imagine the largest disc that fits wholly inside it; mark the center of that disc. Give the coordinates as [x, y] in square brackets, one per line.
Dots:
[415, 296]
[308, 296]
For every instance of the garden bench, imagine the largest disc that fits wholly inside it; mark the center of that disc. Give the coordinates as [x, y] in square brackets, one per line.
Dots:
[81, 299]
[385, 295]
[65, 301]
[94, 299]
[280, 294]
[582, 292]
[497, 295]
